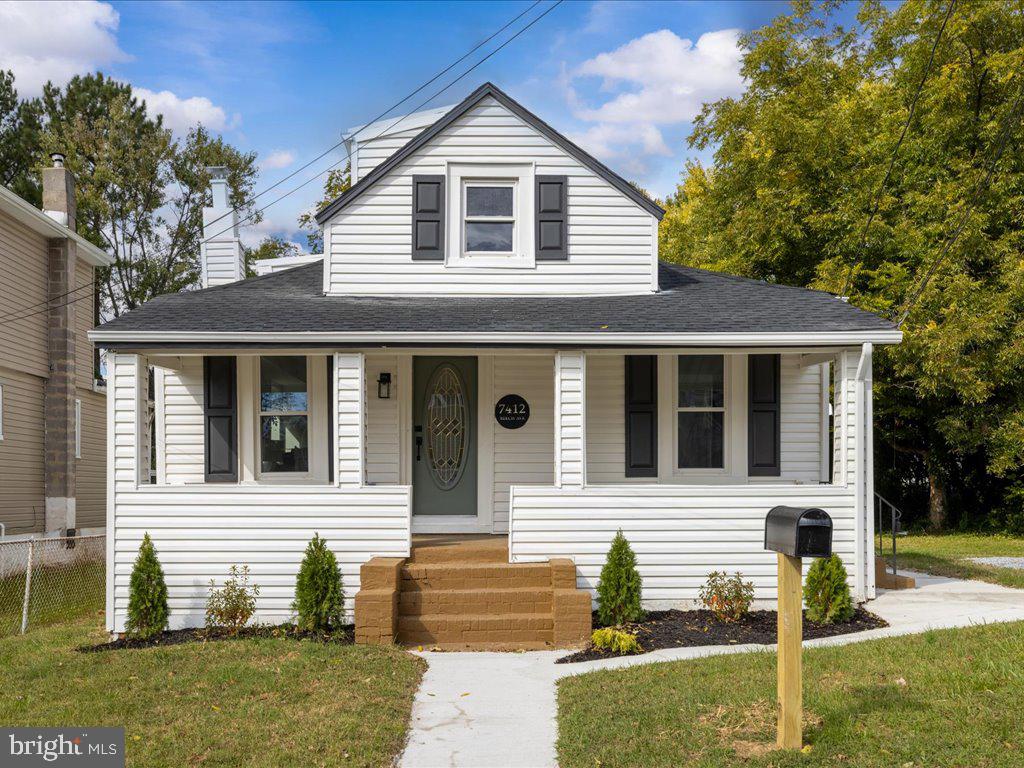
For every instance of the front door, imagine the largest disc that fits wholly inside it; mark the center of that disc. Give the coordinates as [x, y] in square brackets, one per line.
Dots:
[444, 453]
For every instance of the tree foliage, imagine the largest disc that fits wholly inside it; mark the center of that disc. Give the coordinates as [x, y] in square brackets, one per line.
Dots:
[338, 180]
[618, 591]
[319, 596]
[798, 158]
[147, 594]
[20, 126]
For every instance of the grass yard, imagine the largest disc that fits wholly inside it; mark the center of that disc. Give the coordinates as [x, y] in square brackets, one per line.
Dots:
[949, 698]
[944, 555]
[57, 594]
[254, 702]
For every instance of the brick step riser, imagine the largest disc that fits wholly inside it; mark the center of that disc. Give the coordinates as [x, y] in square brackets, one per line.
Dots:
[535, 639]
[453, 577]
[497, 603]
[475, 629]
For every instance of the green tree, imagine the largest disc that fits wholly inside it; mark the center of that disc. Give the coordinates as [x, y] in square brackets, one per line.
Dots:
[338, 180]
[798, 158]
[147, 594]
[619, 589]
[319, 596]
[826, 592]
[20, 125]
[272, 247]
[140, 190]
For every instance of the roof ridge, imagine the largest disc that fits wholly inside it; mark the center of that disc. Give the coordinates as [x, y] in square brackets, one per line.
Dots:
[488, 89]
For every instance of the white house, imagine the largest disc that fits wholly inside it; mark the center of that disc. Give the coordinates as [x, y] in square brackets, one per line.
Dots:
[489, 345]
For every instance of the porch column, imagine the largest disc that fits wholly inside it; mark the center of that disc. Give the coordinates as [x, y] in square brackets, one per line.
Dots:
[570, 422]
[350, 402]
[865, 472]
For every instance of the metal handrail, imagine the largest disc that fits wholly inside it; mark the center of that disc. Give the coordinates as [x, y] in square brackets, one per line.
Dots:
[895, 516]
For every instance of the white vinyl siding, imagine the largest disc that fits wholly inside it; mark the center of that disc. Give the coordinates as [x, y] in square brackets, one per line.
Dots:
[801, 434]
[200, 531]
[679, 533]
[383, 457]
[612, 242]
[525, 455]
[375, 150]
[182, 433]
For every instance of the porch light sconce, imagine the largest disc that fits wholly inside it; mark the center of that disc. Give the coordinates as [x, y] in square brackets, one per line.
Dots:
[384, 386]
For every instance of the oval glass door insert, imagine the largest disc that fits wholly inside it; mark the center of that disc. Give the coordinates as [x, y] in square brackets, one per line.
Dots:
[447, 426]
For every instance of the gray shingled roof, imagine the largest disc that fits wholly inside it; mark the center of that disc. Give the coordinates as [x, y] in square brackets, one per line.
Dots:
[690, 301]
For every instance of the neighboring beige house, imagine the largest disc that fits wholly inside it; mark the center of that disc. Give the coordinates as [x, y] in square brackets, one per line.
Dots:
[52, 402]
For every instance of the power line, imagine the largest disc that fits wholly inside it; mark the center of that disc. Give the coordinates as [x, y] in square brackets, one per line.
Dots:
[1001, 141]
[397, 104]
[7, 318]
[47, 301]
[899, 143]
[421, 104]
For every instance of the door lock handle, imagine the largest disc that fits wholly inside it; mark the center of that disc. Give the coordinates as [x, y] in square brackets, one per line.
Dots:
[419, 441]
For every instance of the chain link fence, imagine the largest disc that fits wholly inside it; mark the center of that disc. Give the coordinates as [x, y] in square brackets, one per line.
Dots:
[49, 580]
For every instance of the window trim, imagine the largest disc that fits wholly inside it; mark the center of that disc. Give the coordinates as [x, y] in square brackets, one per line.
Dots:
[514, 219]
[1, 411]
[522, 177]
[724, 409]
[260, 474]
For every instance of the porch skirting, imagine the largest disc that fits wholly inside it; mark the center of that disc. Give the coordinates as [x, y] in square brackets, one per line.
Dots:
[680, 533]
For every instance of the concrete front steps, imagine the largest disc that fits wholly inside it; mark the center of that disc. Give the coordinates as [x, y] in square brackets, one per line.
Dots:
[462, 593]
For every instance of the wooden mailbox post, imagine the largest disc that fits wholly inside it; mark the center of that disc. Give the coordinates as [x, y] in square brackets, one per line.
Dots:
[793, 533]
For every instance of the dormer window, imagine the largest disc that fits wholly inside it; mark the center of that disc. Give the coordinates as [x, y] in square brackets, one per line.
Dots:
[489, 208]
[490, 215]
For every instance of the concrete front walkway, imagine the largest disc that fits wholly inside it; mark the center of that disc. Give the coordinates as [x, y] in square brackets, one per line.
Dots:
[498, 709]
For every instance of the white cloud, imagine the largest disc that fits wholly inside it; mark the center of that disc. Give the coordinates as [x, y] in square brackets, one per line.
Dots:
[674, 76]
[278, 158]
[181, 114]
[656, 80]
[41, 41]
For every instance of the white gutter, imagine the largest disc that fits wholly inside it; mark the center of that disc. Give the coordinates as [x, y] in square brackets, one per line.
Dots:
[39, 222]
[473, 337]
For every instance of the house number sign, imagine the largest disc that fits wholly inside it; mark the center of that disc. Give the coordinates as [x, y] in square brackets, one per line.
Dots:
[512, 411]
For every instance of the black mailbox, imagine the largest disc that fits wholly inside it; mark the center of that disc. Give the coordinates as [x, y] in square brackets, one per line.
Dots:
[798, 532]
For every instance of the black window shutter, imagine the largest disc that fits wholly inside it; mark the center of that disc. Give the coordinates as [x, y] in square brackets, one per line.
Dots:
[428, 218]
[765, 417]
[552, 218]
[220, 419]
[641, 416]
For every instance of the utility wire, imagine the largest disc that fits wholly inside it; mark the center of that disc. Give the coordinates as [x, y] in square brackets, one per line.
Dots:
[397, 104]
[40, 303]
[899, 143]
[421, 104]
[8, 317]
[1001, 141]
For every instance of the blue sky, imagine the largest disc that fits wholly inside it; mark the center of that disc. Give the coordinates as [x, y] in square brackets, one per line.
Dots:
[286, 79]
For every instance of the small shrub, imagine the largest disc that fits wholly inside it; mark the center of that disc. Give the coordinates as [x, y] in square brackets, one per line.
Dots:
[234, 604]
[826, 592]
[728, 597]
[615, 640]
[147, 594]
[319, 595]
[618, 591]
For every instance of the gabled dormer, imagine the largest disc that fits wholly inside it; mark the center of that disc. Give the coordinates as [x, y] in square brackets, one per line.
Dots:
[486, 199]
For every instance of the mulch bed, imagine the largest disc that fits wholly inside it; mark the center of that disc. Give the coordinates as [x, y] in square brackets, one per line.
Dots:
[683, 629]
[344, 636]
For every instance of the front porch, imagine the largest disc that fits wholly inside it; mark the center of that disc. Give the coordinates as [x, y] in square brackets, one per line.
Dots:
[372, 448]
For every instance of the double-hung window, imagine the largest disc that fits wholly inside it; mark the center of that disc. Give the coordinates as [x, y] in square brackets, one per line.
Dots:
[701, 412]
[284, 415]
[489, 217]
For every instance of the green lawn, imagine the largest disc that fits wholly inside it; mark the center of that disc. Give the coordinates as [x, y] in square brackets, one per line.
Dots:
[254, 702]
[944, 556]
[57, 594]
[949, 698]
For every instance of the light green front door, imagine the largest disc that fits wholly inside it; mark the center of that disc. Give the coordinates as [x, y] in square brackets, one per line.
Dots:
[445, 439]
